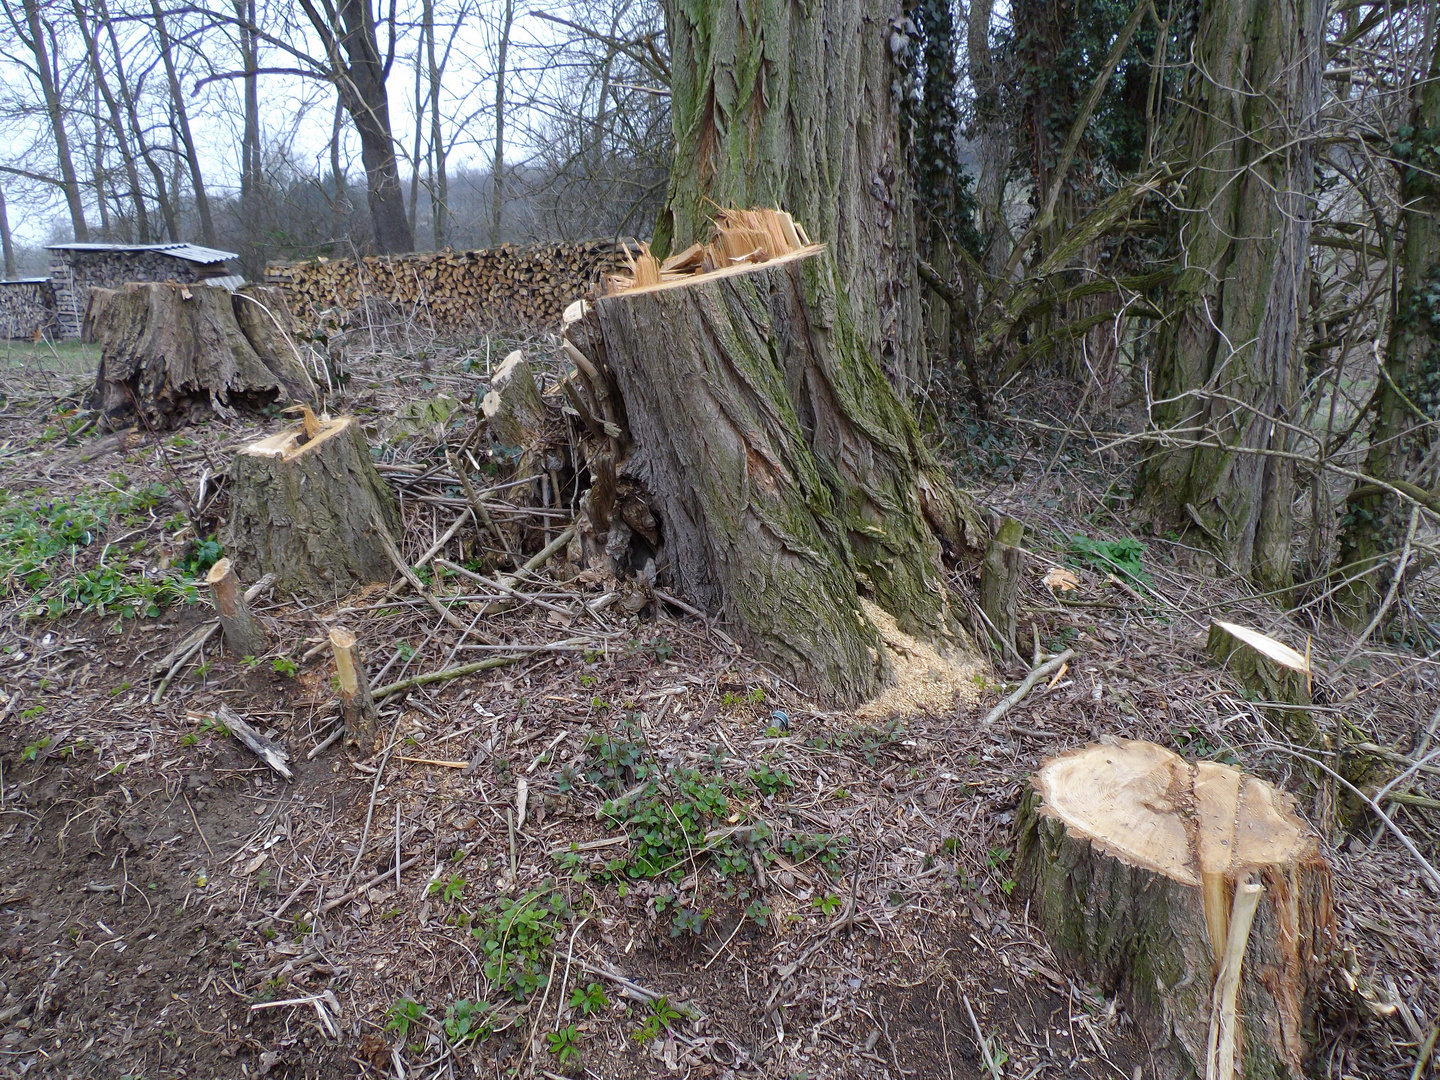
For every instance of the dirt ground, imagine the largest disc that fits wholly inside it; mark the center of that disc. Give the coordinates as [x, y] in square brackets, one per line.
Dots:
[170, 907]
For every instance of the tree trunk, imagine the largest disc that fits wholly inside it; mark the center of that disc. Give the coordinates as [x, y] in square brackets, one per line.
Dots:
[1001, 574]
[386, 197]
[178, 352]
[497, 160]
[1406, 403]
[792, 490]
[991, 144]
[792, 106]
[360, 82]
[1130, 857]
[177, 98]
[1228, 368]
[312, 511]
[54, 108]
[5, 239]
[102, 87]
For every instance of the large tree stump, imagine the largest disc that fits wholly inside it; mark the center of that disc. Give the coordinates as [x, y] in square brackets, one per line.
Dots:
[788, 479]
[309, 508]
[1134, 860]
[178, 353]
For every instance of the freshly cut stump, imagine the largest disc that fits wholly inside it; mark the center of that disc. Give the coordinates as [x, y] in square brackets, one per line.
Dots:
[305, 507]
[1131, 857]
[788, 481]
[178, 353]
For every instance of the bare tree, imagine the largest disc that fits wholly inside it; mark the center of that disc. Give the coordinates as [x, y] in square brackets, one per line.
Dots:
[37, 35]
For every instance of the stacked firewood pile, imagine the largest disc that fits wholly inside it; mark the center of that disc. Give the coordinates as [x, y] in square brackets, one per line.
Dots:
[509, 286]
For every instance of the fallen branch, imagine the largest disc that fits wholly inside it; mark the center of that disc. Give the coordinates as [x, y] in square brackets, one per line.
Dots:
[1036, 674]
[269, 751]
[447, 673]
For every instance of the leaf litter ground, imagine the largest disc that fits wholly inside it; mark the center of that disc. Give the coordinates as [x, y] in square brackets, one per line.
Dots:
[635, 853]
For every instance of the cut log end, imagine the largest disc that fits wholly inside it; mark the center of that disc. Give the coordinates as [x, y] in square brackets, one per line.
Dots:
[1270, 669]
[1132, 857]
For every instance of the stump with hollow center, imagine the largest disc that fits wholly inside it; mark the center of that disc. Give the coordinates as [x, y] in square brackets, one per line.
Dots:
[1132, 858]
[309, 507]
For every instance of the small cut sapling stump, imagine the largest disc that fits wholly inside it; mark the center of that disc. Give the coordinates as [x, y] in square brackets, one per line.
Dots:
[308, 506]
[1155, 877]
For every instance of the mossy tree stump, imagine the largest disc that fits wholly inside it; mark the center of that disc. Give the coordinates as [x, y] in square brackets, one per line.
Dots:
[1270, 669]
[309, 507]
[1133, 859]
[787, 478]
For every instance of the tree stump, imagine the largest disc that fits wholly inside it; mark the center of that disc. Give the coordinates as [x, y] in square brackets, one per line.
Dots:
[178, 353]
[94, 308]
[243, 635]
[305, 507]
[357, 706]
[787, 478]
[1269, 668]
[1134, 861]
[513, 407]
[1000, 576]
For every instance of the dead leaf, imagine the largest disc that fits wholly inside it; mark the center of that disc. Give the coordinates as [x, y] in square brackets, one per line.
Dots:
[1061, 580]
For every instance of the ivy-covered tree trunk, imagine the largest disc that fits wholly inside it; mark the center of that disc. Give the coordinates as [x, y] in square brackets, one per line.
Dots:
[797, 106]
[1406, 404]
[1228, 369]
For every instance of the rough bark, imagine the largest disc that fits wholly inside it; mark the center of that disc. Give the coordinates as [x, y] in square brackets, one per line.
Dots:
[792, 106]
[1228, 370]
[1000, 577]
[1130, 857]
[1406, 404]
[94, 308]
[789, 479]
[306, 511]
[177, 352]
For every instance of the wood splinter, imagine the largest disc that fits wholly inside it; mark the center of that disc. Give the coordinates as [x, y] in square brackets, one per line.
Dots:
[357, 706]
[243, 635]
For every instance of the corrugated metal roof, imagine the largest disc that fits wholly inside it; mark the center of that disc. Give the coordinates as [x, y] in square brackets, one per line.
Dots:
[229, 281]
[189, 252]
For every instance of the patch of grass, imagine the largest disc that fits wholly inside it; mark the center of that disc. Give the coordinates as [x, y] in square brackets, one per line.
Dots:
[44, 544]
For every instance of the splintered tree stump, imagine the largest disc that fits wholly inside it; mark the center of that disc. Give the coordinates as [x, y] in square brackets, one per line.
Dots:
[94, 308]
[179, 353]
[513, 407]
[788, 480]
[1261, 664]
[243, 635]
[311, 510]
[1135, 861]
